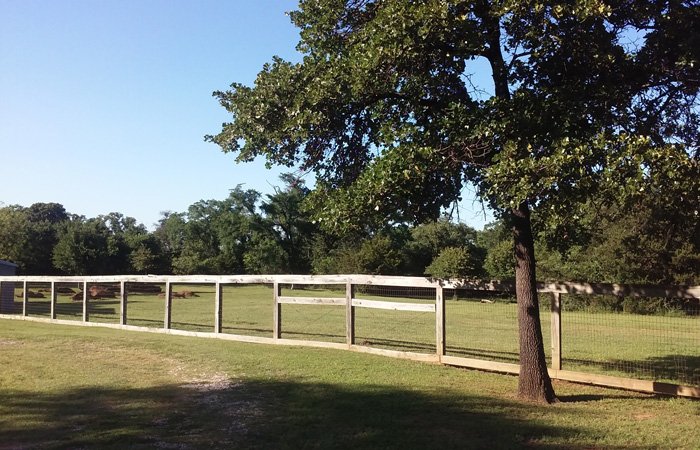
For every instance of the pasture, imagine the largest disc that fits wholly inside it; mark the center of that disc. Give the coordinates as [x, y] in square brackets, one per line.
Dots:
[75, 387]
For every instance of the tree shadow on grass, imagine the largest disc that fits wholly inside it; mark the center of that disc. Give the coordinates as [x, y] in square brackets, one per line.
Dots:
[267, 414]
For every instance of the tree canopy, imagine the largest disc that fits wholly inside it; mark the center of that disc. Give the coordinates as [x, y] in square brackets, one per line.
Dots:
[383, 110]
[588, 98]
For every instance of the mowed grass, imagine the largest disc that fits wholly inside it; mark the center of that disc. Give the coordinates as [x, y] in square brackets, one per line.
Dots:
[662, 348]
[75, 387]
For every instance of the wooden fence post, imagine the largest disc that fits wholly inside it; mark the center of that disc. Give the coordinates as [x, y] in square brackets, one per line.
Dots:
[122, 303]
[25, 298]
[86, 316]
[556, 330]
[349, 313]
[439, 321]
[218, 308]
[277, 312]
[168, 305]
[53, 299]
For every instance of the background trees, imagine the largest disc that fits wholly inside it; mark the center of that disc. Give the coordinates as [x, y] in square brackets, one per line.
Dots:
[648, 241]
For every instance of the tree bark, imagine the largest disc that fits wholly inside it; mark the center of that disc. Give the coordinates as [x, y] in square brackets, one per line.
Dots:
[534, 383]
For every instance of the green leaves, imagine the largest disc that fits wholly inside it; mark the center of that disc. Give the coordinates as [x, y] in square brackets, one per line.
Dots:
[381, 108]
[452, 262]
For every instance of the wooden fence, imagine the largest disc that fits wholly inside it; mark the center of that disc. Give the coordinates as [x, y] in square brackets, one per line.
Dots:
[351, 302]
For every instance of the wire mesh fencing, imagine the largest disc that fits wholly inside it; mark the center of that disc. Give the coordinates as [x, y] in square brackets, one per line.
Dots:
[145, 304]
[38, 299]
[319, 314]
[395, 318]
[103, 301]
[480, 328]
[642, 338]
[192, 307]
[247, 309]
[481, 325]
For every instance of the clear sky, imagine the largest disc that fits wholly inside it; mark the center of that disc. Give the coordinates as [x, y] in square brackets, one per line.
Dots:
[104, 104]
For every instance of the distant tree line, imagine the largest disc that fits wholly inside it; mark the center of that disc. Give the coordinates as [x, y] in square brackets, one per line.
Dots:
[251, 233]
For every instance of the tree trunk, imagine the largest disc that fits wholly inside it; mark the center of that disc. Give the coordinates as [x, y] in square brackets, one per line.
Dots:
[534, 383]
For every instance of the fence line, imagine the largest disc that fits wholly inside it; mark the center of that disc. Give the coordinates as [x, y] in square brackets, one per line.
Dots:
[408, 296]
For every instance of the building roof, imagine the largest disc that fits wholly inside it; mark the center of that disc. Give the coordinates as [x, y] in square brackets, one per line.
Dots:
[7, 263]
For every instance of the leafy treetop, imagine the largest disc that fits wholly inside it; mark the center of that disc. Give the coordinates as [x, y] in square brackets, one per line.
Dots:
[589, 96]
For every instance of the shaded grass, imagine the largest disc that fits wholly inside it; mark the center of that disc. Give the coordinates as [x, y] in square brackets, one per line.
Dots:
[65, 387]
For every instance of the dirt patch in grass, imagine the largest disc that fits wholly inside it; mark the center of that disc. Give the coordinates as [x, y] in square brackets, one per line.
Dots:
[228, 397]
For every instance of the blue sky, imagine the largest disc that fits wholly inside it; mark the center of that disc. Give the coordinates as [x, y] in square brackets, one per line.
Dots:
[104, 104]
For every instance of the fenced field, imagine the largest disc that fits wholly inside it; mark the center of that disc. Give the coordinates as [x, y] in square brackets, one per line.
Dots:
[456, 323]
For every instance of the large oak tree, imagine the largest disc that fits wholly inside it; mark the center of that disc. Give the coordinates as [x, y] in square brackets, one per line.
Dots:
[585, 96]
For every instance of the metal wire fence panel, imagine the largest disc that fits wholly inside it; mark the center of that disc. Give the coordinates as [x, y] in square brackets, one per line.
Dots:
[247, 309]
[69, 301]
[660, 346]
[314, 322]
[481, 325]
[39, 301]
[192, 307]
[411, 331]
[145, 307]
[484, 325]
[103, 302]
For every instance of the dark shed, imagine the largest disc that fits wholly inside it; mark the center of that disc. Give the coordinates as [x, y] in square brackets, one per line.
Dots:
[8, 289]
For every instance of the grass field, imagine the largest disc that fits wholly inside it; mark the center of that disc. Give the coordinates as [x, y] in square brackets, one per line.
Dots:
[661, 348]
[74, 387]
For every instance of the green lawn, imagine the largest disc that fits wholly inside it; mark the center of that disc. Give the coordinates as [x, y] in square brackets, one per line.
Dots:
[74, 387]
[663, 348]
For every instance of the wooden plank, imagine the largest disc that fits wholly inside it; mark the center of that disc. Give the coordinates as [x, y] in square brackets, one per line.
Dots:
[570, 288]
[312, 301]
[476, 285]
[393, 306]
[677, 390]
[277, 312]
[555, 308]
[167, 320]
[53, 299]
[238, 279]
[316, 344]
[439, 321]
[626, 290]
[383, 280]
[86, 317]
[25, 298]
[480, 364]
[123, 299]
[603, 380]
[626, 383]
[424, 357]
[218, 301]
[349, 314]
